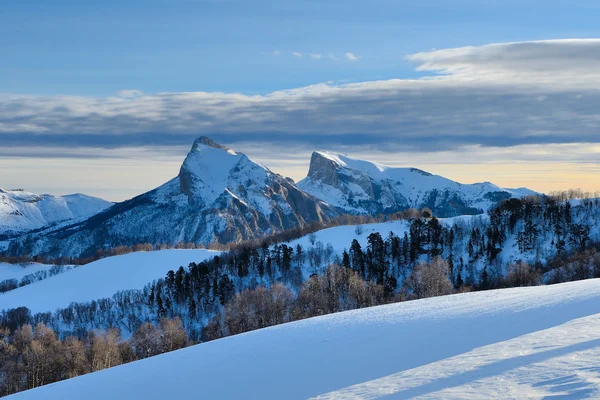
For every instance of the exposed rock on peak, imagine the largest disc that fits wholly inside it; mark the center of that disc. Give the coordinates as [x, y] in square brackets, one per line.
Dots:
[323, 169]
[205, 141]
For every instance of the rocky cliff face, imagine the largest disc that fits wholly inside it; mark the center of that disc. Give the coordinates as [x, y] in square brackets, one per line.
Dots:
[219, 195]
[362, 187]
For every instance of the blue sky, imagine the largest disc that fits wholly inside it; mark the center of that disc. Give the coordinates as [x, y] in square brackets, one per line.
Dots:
[98, 48]
[107, 97]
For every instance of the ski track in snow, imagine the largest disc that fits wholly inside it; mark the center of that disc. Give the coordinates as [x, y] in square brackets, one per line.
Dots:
[537, 342]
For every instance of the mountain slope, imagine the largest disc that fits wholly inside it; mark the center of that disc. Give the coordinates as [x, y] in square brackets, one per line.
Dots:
[219, 195]
[363, 187]
[513, 343]
[100, 279]
[22, 211]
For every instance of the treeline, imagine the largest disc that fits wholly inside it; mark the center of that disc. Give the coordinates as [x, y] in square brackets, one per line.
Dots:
[12, 283]
[34, 356]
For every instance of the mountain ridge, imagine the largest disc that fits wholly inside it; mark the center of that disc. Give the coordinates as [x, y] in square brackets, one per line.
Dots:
[358, 186]
[223, 196]
[22, 211]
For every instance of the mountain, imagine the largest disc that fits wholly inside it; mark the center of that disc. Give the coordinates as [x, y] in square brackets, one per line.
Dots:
[363, 187]
[22, 211]
[526, 342]
[219, 195]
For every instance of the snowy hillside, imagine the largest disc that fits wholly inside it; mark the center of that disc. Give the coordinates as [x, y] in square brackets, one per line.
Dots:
[219, 195]
[537, 342]
[18, 271]
[364, 187]
[23, 211]
[100, 279]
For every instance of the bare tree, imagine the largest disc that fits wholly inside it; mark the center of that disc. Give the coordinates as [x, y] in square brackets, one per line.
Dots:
[105, 350]
[173, 334]
[430, 279]
[146, 341]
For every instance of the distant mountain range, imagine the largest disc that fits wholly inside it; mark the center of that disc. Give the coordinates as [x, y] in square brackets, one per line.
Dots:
[21, 211]
[222, 195]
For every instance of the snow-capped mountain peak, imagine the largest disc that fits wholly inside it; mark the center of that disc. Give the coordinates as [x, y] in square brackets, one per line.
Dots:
[360, 186]
[204, 173]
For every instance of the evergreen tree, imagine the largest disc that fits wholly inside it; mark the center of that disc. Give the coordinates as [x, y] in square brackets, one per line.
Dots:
[346, 260]
[484, 283]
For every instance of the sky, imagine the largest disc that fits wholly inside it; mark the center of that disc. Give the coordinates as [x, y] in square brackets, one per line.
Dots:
[107, 97]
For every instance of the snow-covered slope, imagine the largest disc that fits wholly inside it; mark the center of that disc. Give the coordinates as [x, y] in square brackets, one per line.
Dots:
[22, 211]
[100, 279]
[364, 187]
[18, 271]
[535, 342]
[219, 195]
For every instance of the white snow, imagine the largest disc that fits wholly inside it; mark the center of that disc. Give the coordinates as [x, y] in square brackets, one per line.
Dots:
[533, 342]
[209, 168]
[100, 279]
[340, 237]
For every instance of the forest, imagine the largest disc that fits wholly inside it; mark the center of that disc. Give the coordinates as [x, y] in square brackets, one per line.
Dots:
[521, 242]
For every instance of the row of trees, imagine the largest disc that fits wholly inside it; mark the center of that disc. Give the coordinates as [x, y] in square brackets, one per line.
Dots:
[12, 283]
[35, 356]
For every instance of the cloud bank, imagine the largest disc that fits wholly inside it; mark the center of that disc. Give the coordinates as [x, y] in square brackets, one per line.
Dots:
[500, 95]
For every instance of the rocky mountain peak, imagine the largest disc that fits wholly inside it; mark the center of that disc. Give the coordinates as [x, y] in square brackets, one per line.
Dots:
[205, 141]
[323, 169]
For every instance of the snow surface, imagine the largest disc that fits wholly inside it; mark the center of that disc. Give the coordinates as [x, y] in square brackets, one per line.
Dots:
[340, 237]
[537, 342]
[22, 211]
[18, 271]
[100, 279]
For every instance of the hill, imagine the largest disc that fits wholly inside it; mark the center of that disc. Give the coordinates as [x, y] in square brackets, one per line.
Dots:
[535, 342]
[100, 279]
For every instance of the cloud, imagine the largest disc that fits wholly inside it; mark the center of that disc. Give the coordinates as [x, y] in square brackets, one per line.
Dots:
[499, 95]
[316, 56]
[561, 63]
[276, 53]
[332, 56]
[129, 93]
[351, 57]
[297, 54]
